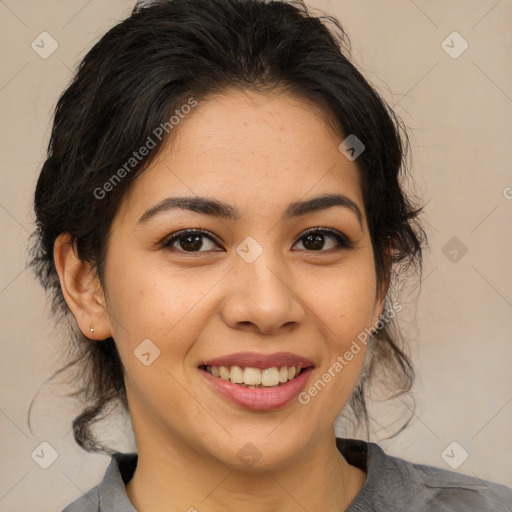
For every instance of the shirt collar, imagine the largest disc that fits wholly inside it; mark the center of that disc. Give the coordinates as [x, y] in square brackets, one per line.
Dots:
[112, 492]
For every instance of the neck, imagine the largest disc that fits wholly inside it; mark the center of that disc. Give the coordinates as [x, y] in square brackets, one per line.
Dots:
[180, 479]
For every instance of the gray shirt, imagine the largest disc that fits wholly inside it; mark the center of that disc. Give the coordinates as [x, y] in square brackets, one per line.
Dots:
[392, 484]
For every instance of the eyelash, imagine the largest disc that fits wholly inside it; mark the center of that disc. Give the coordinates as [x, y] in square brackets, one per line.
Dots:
[342, 240]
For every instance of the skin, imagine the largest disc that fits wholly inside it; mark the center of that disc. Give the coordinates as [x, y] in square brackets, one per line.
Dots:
[257, 153]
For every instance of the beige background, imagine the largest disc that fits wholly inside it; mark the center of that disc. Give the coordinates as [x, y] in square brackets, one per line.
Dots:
[459, 112]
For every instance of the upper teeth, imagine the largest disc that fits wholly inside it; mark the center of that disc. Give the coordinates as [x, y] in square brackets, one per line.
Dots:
[254, 376]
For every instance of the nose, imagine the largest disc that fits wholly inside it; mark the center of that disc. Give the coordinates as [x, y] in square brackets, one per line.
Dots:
[260, 297]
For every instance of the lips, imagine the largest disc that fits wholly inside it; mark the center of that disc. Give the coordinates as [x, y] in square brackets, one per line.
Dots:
[261, 361]
[236, 391]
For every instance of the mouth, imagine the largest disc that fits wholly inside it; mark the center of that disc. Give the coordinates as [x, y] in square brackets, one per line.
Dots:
[255, 378]
[257, 381]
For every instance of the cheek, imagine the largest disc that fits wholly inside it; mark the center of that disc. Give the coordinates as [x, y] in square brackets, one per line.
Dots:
[154, 303]
[344, 299]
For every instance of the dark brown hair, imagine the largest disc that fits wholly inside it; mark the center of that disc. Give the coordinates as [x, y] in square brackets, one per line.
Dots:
[135, 78]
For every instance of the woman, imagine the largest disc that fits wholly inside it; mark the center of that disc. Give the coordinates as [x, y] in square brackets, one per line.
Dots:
[221, 214]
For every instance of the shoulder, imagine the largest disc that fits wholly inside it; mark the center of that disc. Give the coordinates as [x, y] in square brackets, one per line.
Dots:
[88, 502]
[444, 490]
[399, 485]
[110, 494]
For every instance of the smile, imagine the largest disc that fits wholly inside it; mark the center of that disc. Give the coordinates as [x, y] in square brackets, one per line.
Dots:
[255, 377]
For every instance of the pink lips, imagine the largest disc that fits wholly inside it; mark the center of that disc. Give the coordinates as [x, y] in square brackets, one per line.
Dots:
[260, 361]
[259, 398]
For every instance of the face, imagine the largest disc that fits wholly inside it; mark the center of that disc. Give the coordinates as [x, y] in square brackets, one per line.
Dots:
[250, 287]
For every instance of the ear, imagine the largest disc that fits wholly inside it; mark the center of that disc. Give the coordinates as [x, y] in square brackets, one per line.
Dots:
[81, 289]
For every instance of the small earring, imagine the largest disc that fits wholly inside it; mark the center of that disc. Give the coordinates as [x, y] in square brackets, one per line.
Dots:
[92, 328]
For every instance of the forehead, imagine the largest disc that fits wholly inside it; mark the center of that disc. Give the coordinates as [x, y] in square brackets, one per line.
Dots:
[259, 150]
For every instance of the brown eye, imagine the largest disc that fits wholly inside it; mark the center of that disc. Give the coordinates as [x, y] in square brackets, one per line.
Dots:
[314, 241]
[190, 241]
[317, 239]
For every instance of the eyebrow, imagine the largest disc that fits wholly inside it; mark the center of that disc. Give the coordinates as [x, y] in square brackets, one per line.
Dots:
[214, 208]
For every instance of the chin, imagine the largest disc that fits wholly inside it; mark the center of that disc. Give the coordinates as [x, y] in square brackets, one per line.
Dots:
[260, 452]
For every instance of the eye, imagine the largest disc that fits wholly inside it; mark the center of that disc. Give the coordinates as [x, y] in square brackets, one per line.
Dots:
[191, 240]
[315, 239]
